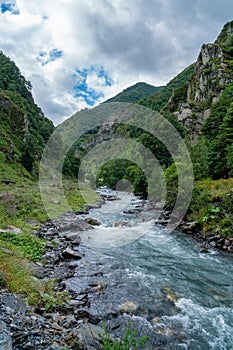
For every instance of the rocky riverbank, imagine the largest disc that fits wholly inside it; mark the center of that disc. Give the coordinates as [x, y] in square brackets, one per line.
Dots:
[194, 229]
[27, 327]
[74, 325]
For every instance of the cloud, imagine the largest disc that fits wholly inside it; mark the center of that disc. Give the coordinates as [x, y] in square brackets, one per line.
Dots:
[79, 53]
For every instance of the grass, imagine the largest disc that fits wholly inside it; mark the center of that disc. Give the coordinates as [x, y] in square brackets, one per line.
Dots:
[21, 206]
[212, 206]
[15, 275]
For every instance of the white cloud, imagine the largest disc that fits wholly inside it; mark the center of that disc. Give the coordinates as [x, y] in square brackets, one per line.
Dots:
[132, 40]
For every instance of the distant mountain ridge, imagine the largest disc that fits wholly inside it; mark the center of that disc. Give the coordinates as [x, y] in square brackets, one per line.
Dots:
[135, 92]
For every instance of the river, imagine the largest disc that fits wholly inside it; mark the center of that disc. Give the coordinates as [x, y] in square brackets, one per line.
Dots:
[162, 284]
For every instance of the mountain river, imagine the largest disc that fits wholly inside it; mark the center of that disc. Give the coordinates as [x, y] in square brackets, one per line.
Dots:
[157, 282]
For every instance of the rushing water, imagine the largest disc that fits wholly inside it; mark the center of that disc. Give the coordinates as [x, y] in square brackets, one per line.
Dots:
[181, 298]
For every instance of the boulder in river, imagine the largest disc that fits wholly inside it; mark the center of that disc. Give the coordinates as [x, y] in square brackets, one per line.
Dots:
[69, 253]
[74, 238]
[93, 222]
[121, 224]
[74, 225]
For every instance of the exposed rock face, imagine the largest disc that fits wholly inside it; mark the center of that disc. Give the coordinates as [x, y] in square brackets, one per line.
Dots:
[212, 74]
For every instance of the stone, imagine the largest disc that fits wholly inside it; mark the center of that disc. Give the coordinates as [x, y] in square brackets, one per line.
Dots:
[11, 228]
[121, 224]
[74, 238]
[128, 306]
[93, 222]
[89, 336]
[5, 337]
[69, 253]
[74, 226]
[33, 222]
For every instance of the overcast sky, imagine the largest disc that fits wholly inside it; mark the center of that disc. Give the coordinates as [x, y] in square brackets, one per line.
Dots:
[78, 53]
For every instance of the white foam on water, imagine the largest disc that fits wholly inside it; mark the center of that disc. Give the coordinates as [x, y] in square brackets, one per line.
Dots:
[208, 323]
[112, 237]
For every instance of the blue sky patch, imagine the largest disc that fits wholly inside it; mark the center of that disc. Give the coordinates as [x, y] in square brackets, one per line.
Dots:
[9, 6]
[81, 89]
[51, 56]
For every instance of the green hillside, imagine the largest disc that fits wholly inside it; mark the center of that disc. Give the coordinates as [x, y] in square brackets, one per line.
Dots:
[24, 129]
[135, 93]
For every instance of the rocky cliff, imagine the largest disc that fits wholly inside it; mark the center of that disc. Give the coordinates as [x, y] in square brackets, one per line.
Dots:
[213, 72]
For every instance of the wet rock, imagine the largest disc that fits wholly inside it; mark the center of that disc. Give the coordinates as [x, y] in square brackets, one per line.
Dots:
[73, 264]
[72, 254]
[93, 222]
[204, 249]
[129, 306]
[5, 337]
[77, 225]
[83, 314]
[129, 211]
[89, 336]
[74, 238]
[163, 219]
[82, 212]
[121, 224]
[93, 206]
[190, 227]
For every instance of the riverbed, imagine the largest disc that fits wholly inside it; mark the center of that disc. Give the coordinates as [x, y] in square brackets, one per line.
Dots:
[159, 283]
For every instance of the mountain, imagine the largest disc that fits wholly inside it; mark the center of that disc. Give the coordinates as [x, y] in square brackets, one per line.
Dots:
[202, 102]
[24, 130]
[198, 102]
[135, 93]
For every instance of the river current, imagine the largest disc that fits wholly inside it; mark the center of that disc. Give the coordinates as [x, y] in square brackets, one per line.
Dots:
[156, 281]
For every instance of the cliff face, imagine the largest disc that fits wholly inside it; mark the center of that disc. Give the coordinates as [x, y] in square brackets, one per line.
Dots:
[210, 75]
[213, 72]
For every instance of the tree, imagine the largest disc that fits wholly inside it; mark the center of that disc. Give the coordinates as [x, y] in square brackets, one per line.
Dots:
[199, 156]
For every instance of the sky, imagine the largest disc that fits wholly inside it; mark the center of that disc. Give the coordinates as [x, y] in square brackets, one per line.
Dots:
[78, 53]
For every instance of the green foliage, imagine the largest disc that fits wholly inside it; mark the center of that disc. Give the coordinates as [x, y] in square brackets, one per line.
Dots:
[218, 133]
[30, 246]
[199, 156]
[134, 93]
[212, 206]
[171, 177]
[11, 78]
[16, 276]
[130, 340]
[162, 97]
[138, 180]
[21, 119]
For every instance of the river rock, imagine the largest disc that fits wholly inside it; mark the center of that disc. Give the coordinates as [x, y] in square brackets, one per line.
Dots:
[128, 306]
[121, 224]
[69, 253]
[74, 238]
[74, 225]
[93, 222]
[89, 336]
[191, 227]
[5, 337]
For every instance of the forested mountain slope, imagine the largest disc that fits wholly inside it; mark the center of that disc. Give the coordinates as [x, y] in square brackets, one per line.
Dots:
[135, 93]
[24, 130]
